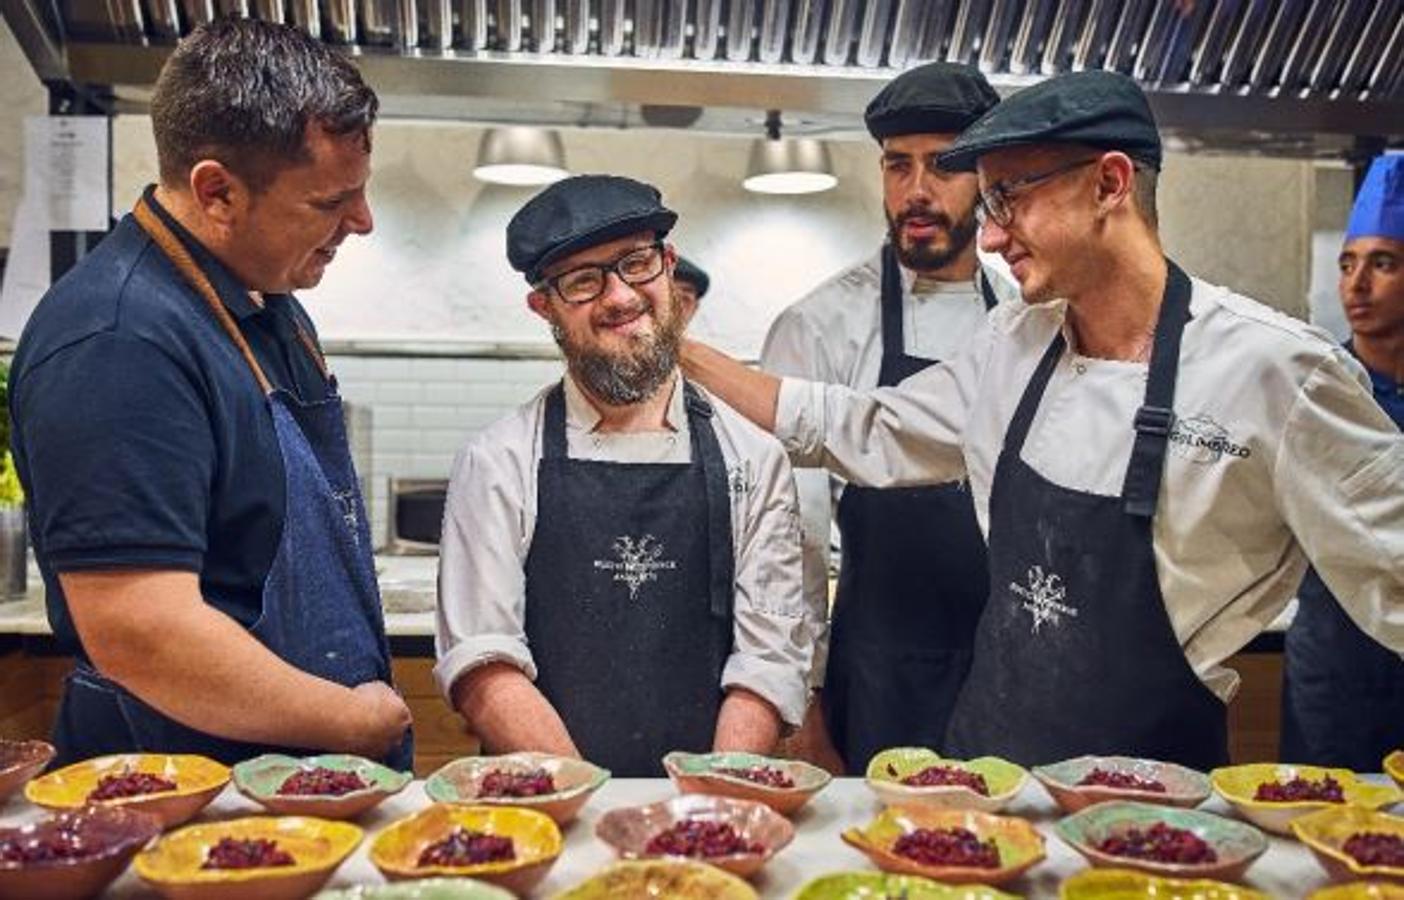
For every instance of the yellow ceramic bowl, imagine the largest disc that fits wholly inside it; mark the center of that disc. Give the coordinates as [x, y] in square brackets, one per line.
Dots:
[535, 838]
[198, 780]
[1394, 767]
[317, 847]
[1020, 845]
[887, 769]
[1360, 890]
[1238, 784]
[675, 879]
[1326, 832]
[884, 885]
[1124, 884]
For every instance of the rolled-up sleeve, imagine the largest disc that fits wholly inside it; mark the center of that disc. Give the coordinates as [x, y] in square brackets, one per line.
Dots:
[1339, 480]
[482, 587]
[774, 625]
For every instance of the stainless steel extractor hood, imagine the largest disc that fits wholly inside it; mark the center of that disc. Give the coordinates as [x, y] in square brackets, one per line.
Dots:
[1296, 77]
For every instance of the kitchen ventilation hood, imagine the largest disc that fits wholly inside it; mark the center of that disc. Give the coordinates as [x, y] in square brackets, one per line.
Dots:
[1286, 77]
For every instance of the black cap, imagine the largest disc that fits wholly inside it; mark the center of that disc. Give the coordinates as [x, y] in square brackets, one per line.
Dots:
[688, 271]
[580, 212]
[937, 98]
[1103, 109]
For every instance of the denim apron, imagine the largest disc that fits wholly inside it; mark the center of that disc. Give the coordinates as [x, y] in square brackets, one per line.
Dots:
[629, 589]
[908, 598]
[321, 603]
[1075, 653]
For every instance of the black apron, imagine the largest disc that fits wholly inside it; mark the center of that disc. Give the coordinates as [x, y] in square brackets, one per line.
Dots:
[321, 609]
[1075, 653]
[911, 587]
[629, 585]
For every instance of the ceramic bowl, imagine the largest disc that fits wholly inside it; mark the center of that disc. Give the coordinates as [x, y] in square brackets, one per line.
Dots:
[174, 865]
[1238, 784]
[575, 780]
[675, 879]
[21, 761]
[629, 830]
[1125, 884]
[198, 781]
[112, 836]
[1235, 843]
[881, 885]
[1393, 766]
[1020, 845]
[1360, 890]
[422, 889]
[1326, 831]
[260, 778]
[699, 773]
[535, 837]
[1183, 787]
[887, 769]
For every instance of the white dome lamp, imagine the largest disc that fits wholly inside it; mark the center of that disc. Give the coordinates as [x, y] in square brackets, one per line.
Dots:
[520, 156]
[788, 165]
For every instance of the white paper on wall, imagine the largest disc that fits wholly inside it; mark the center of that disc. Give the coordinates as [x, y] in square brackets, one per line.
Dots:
[65, 161]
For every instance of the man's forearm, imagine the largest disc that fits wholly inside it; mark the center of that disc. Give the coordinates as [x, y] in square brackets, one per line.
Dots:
[746, 723]
[752, 393]
[508, 713]
[155, 636]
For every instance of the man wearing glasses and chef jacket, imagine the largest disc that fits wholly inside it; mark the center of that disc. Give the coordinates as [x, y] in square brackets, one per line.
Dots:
[1154, 458]
[909, 597]
[620, 564]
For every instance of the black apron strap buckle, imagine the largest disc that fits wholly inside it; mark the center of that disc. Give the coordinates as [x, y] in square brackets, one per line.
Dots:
[1154, 421]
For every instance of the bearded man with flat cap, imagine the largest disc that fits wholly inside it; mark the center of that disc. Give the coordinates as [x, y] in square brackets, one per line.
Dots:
[1154, 459]
[620, 566]
[908, 598]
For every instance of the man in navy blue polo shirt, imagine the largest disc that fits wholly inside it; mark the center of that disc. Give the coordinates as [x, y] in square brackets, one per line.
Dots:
[193, 506]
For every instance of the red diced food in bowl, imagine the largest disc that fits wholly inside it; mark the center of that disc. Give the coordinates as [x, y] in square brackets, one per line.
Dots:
[321, 782]
[948, 847]
[506, 783]
[1159, 843]
[1327, 790]
[1123, 780]
[465, 847]
[696, 837]
[954, 776]
[766, 775]
[60, 844]
[241, 853]
[130, 784]
[1373, 848]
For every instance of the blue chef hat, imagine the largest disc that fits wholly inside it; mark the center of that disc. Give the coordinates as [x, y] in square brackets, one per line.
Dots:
[1379, 207]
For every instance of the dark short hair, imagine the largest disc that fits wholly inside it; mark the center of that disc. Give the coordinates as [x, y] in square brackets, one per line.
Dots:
[1143, 194]
[243, 91]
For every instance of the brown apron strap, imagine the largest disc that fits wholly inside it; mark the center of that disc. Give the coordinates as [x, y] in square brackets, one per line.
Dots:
[186, 265]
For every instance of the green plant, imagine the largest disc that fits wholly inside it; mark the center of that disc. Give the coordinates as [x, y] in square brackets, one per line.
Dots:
[11, 493]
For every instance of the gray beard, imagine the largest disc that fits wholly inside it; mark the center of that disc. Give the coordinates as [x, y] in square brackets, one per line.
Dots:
[625, 379]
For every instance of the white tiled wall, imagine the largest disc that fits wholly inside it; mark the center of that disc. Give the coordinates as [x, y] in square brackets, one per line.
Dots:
[424, 408]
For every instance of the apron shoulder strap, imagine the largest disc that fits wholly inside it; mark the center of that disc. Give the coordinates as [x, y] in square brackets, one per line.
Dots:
[553, 427]
[1033, 394]
[987, 292]
[1140, 492]
[707, 450]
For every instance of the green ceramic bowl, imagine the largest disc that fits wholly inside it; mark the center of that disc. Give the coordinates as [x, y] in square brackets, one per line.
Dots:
[881, 886]
[422, 889]
[259, 779]
[1235, 843]
[575, 780]
[700, 773]
[886, 771]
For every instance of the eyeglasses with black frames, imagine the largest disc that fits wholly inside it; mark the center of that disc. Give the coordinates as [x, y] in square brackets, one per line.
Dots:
[585, 284]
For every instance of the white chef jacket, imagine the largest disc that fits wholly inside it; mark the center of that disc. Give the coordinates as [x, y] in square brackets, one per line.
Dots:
[1279, 453]
[834, 334]
[491, 512]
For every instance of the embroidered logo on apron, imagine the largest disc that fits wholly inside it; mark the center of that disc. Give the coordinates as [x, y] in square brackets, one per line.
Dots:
[1202, 440]
[1043, 598]
[636, 562]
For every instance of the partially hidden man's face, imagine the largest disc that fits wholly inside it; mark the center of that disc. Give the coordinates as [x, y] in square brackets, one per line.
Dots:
[290, 231]
[930, 212]
[623, 345]
[1372, 286]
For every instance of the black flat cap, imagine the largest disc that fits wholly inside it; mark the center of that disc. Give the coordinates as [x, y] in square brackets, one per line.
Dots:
[693, 274]
[937, 98]
[580, 212]
[1102, 109]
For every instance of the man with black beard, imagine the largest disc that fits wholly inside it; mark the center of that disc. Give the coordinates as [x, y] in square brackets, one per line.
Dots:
[620, 565]
[913, 578]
